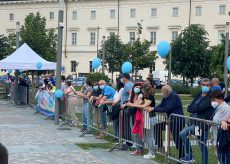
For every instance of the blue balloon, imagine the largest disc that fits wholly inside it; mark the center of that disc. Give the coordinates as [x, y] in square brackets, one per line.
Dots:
[96, 63]
[163, 49]
[39, 65]
[9, 71]
[127, 67]
[59, 93]
[21, 70]
[228, 63]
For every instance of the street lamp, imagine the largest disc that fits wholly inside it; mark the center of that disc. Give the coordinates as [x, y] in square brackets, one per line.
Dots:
[170, 65]
[103, 55]
[17, 71]
[59, 58]
[226, 58]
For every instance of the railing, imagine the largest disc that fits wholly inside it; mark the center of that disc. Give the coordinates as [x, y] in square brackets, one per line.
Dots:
[180, 139]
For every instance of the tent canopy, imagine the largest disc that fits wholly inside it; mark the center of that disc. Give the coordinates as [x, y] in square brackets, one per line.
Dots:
[26, 59]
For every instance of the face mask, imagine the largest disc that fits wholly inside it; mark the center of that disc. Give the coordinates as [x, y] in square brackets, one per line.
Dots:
[102, 87]
[122, 81]
[214, 104]
[204, 89]
[85, 85]
[95, 87]
[136, 90]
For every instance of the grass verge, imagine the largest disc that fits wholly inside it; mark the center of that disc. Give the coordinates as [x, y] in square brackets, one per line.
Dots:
[90, 146]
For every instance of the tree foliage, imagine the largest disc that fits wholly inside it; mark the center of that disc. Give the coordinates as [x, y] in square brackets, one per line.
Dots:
[137, 52]
[42, 40]
[217, 62]
[190, 55]
[5, 48]
[97, 76]
[115, 55]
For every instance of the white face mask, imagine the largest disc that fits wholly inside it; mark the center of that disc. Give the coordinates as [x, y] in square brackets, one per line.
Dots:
[214, 104]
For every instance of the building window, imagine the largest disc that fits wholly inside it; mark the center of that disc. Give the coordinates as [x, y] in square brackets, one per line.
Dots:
[51, 15]
[153, 37]
[133, 13]
[198, 11]
[153, 12]
[73, 66]
[222, 9]
[74, 38]
[131, 36]
[221, 33]
[74, 15]
[90, 66]
[92, 38]
[93, 14]
[175, 12]
[11, 16]
[174, 35]
[112, 13]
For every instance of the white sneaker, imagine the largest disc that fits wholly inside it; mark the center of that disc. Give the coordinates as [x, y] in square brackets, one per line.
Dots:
[149, 156]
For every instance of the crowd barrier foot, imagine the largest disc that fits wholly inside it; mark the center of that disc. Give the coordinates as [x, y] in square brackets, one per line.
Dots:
[85, 132]
[119, 146]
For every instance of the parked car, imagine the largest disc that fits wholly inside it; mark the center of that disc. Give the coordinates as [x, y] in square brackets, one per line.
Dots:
[79, 81]
[158, 83]
[3, 78]
[176, 82]
[195, 84]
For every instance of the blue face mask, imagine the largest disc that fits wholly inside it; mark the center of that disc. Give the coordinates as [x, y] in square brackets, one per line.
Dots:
[95, 87]
[85, 85]
[122, 81]
[137, 90]
[102, 87]
[205, 89]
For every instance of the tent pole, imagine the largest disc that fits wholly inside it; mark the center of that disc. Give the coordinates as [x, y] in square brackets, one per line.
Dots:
[17, 71]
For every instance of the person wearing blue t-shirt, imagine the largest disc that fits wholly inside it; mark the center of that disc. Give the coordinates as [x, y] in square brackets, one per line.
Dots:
[107, 93]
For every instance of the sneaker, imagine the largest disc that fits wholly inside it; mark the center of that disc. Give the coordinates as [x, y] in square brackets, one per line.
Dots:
[136, 152]
[188, 159]
[149, 156]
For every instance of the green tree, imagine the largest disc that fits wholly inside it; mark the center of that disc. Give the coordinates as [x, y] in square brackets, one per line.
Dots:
[97, 76]
[42, 40]
[217, 62]
[190, 55]
[5, 49]
[138, 52]
[115, 55]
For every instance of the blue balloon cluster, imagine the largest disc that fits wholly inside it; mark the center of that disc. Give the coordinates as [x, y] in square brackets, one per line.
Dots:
[39, 65]
[228, 63]
[163, 49]
[9, 71]
[59, 93]
[96, 63]
[126, 67]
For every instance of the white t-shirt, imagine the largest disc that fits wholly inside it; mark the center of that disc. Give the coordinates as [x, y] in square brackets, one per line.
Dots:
[117, 95]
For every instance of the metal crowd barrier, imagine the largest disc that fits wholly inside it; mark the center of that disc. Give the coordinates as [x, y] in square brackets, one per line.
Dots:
[192, 139]
[23, 95]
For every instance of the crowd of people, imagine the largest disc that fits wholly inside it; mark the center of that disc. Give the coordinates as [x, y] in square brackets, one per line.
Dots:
[140, 126]
[139, 121]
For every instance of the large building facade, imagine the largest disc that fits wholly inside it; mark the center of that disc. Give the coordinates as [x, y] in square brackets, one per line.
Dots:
[87, 21]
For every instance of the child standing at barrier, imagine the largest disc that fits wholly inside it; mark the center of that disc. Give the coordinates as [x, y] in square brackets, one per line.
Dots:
[148, 119]
[71, 102]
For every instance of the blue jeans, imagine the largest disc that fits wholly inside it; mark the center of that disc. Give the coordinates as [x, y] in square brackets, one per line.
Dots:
[103, 119]
[224, 157]
[85, 115]
[116, 127]
[203, 138]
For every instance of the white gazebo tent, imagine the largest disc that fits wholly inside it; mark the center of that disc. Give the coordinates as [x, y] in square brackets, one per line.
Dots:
[24, 58]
